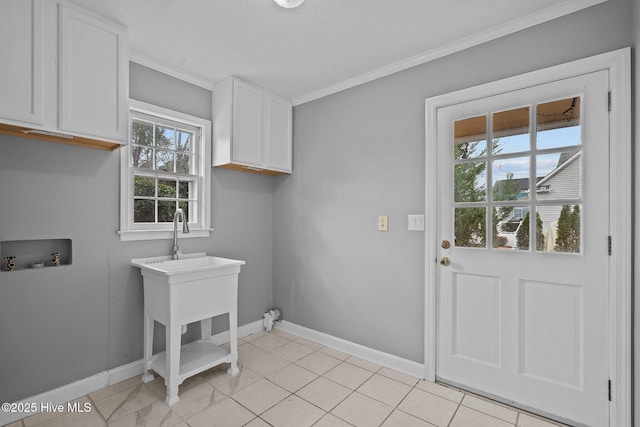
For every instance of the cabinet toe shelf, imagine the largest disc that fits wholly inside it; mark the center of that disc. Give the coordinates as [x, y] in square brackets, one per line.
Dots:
[195, 357]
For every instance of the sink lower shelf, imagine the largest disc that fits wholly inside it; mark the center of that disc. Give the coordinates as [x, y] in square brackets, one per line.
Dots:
[195, 357]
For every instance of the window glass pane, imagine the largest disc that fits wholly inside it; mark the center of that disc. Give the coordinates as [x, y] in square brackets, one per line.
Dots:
[164, 160]
[559, 175]
[510, 230]
[166, 210]
[144, 211]
[470, 181]
[141, 157]
[184, 190]
[470, 227]
[558, 123]
[184, 142]
[165, 137]
[144, 186]
[167, 188]
[183, 163]
[510, 178]
[185, 207]
[470, 138]
[561, 227]
[511, 131]
[141, 133]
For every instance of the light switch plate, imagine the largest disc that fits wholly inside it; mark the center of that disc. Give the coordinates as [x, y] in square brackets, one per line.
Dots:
[383, 223]
[416, 222]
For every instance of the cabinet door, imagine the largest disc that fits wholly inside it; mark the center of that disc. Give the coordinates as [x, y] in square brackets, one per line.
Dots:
[247, 124]
[278, 135]
[21, 70]
[93, 76]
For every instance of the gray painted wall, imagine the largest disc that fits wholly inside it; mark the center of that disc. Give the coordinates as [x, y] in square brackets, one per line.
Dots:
[65, 324]
[360, 153]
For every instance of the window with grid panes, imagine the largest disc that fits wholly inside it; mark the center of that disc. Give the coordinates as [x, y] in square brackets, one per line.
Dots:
[166, 169]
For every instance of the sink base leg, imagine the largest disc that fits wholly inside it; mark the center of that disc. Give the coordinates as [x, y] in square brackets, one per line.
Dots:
[233, 342]
[173, 364]
[148, 347]
[147, 378]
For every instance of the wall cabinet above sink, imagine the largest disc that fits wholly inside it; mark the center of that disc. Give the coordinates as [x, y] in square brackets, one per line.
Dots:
[67, 76]
[252, 128]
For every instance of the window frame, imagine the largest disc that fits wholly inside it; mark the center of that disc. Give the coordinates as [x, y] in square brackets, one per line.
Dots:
[153, 231]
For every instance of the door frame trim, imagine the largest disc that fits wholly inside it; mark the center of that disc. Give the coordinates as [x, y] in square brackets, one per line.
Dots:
[618, 63]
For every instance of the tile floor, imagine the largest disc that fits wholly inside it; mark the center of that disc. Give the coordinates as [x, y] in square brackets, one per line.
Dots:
[285, 381]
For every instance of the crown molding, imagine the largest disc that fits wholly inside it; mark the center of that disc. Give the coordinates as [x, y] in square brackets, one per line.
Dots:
[158, 65]
[548, 14]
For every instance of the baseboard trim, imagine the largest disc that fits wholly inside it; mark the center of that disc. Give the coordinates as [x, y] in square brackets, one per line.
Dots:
[387, 360]
[104, 379]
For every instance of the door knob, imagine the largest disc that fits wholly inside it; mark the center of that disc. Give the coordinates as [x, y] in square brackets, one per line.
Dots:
[445, 261]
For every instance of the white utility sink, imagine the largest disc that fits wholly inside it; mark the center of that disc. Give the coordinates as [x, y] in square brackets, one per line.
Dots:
[194, 288]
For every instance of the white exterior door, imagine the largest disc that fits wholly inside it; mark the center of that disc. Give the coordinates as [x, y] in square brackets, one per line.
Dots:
[523, 224]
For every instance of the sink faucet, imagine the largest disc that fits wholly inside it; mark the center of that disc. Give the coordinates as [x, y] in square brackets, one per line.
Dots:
[185, 229]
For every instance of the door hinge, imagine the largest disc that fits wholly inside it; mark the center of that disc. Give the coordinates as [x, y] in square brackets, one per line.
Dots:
[609, 100]
[609, 390]
[609, 246]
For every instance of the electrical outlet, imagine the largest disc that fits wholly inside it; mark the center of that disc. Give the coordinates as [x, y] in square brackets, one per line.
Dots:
[383, 223]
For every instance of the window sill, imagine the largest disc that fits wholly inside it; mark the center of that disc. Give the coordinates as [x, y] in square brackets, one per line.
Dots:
[133, 235]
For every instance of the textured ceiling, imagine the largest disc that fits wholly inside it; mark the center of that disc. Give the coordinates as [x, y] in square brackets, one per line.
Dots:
[319, 47]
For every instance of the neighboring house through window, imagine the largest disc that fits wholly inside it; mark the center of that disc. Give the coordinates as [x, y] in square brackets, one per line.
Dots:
[164, 167]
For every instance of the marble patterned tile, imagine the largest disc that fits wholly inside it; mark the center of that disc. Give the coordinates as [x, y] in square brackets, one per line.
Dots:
[440, 390]
[526, 420]
[292, 351]
[255, 335]
[467, 417]
[126, 402]
[348, 375]
[398, 376]
[292, 377]
[267, 364]
[270, 342]
[364, 364]
[260, 396]
[311, 344]
[330, 420]
[196, 399]
[248, 352]
[324, 393]
[284, 334]
[157, 414]
[230, 384]
[428, 407]
[318, 362]
[362, 411]
[118, 387]
[402, 419]
[226, 413]
[257, 422]
[490, 408]
[45, 418]
[334, 353]
[293, 412]
[384, 389]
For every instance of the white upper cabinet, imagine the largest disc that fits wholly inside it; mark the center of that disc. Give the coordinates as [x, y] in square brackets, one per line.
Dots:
[252, 128]
[67, 77]
[93, 72]
[21, 71]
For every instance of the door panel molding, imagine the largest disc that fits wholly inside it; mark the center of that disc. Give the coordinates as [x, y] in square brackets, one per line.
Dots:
[618, 63]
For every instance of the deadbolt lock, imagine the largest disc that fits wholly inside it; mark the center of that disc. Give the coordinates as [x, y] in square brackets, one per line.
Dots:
[445, 244]
[445, 261]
